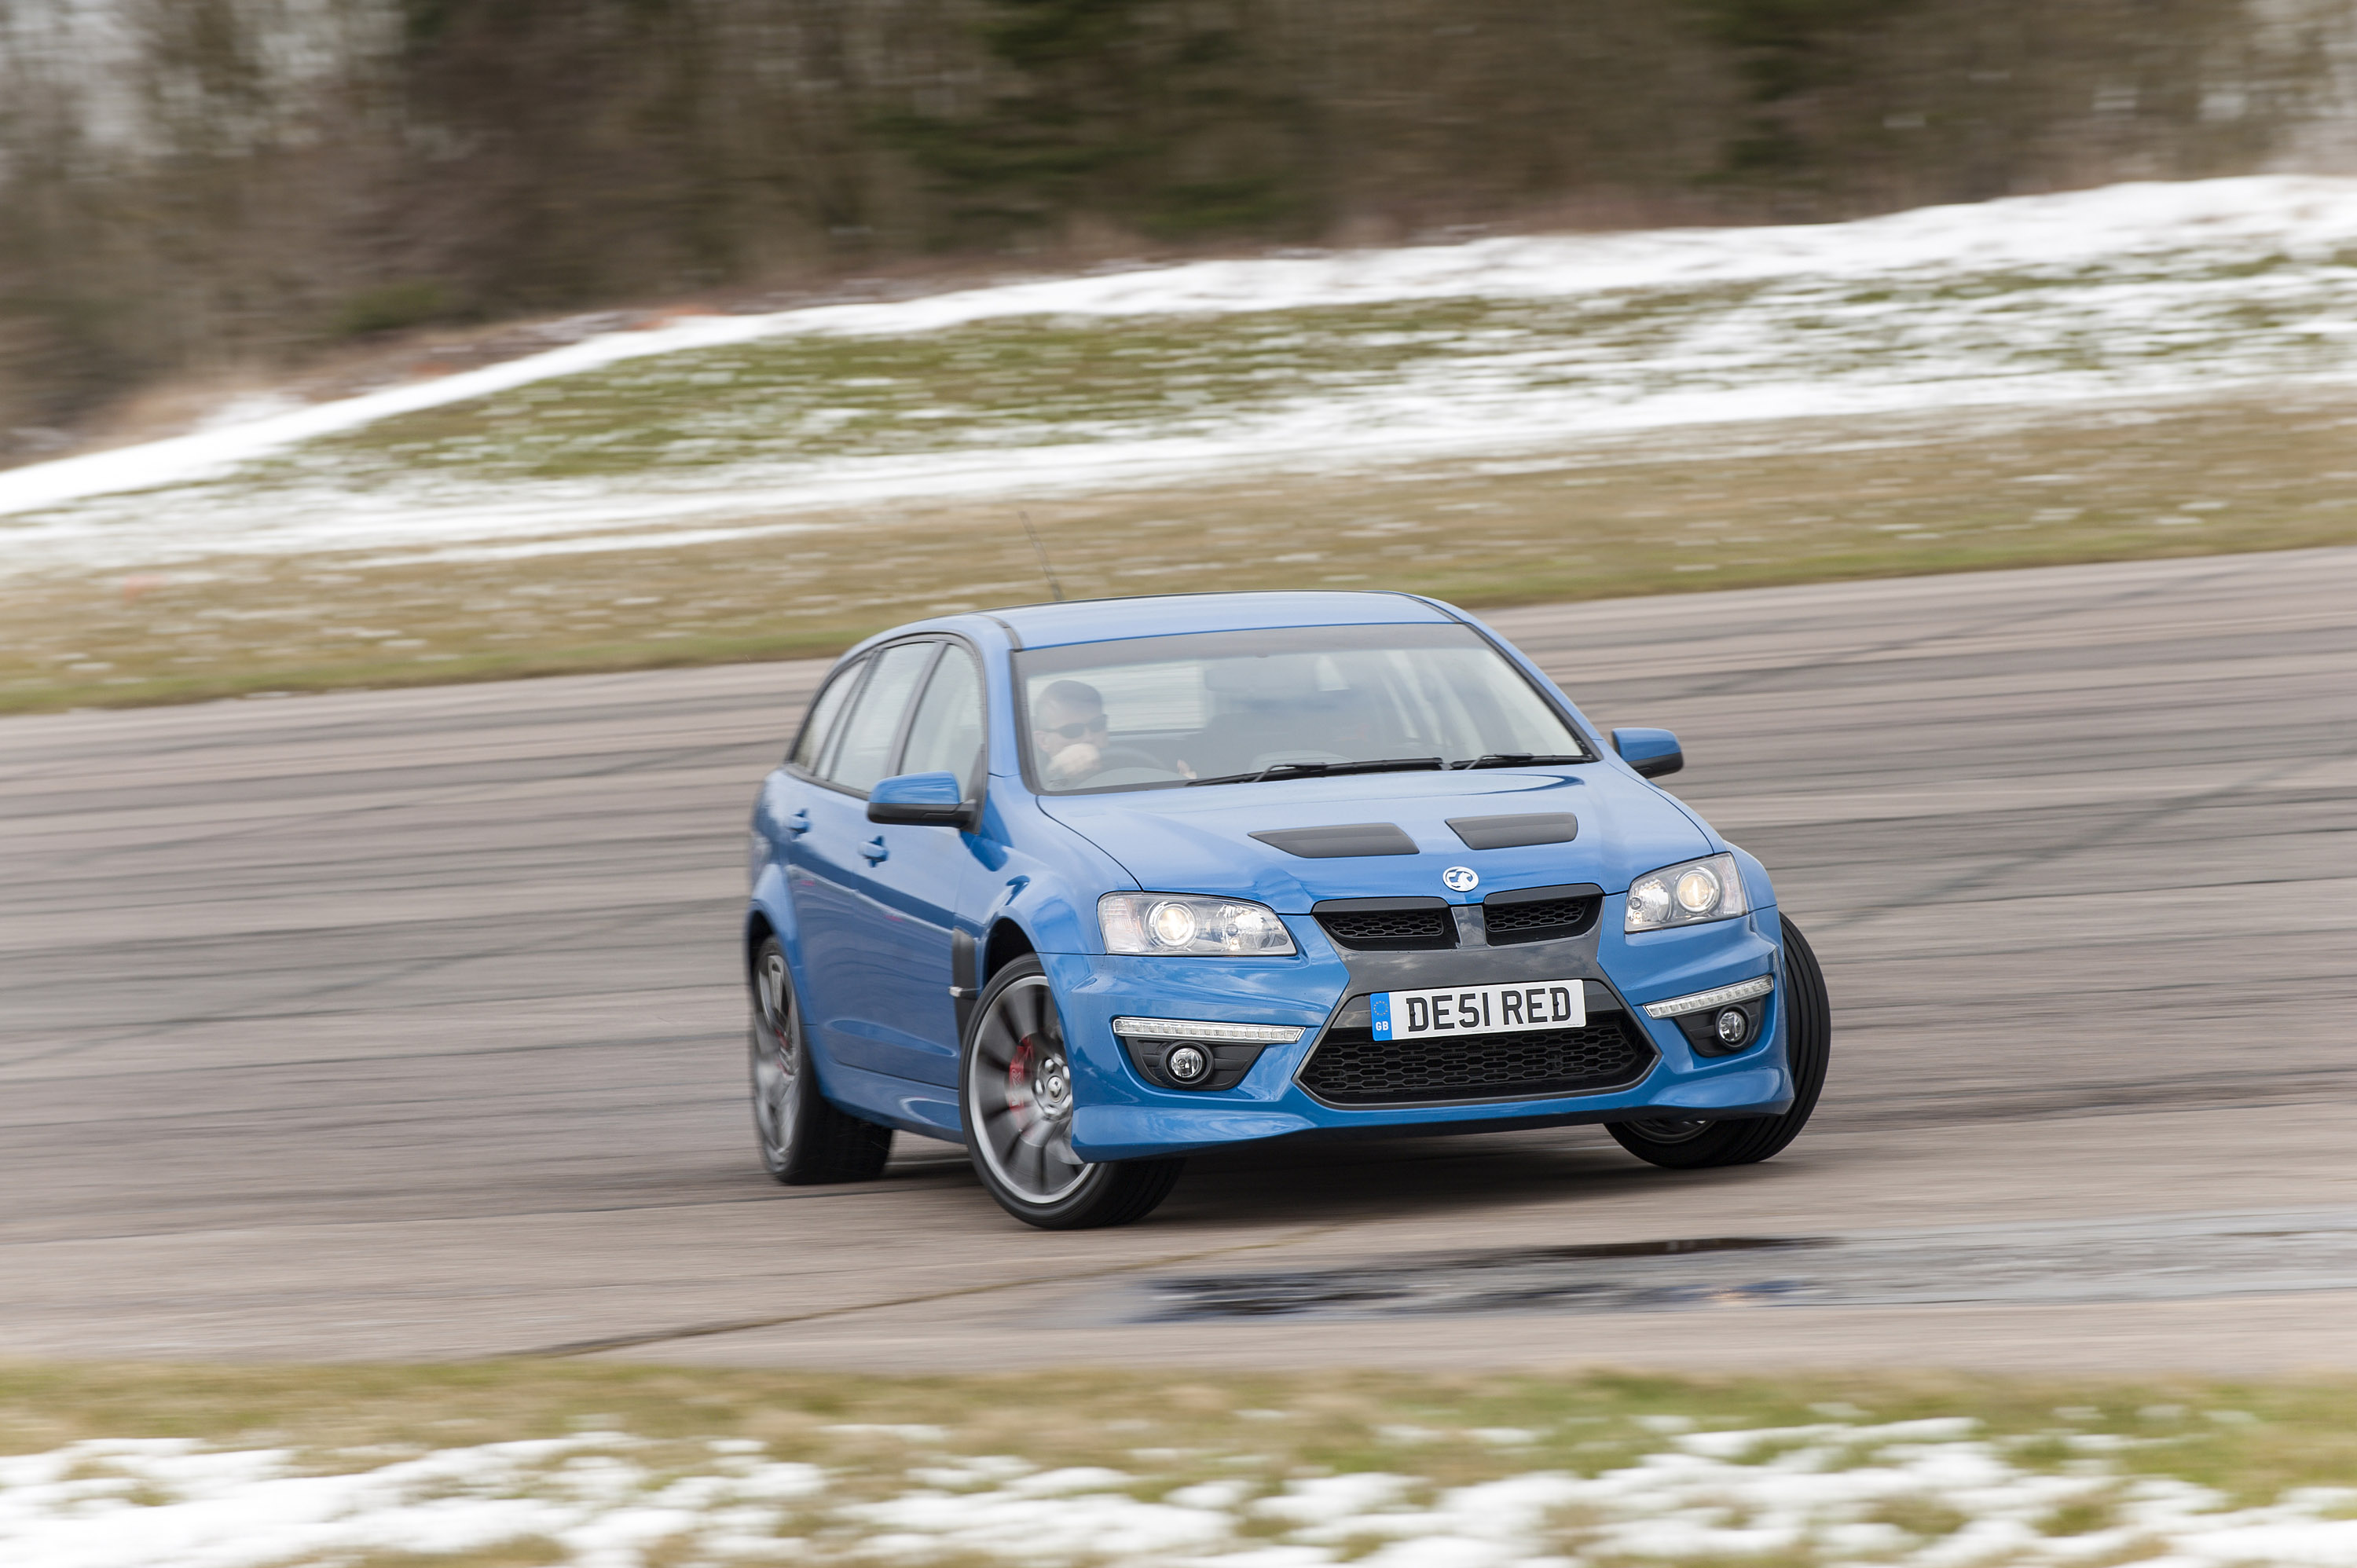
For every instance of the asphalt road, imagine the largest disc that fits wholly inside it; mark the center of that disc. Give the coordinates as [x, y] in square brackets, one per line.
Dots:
[407, 1025]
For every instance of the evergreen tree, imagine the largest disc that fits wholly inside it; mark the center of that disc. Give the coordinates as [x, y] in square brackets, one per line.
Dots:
[1787, 51]
[1152, 115]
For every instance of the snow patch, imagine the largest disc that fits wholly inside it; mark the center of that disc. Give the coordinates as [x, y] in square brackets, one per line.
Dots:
[140, 1503]
[2142, 291]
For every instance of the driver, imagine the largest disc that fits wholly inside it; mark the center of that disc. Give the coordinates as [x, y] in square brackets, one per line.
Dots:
[1068, 725]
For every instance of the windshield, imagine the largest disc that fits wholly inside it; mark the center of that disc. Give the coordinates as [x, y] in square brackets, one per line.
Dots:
[1167, 712]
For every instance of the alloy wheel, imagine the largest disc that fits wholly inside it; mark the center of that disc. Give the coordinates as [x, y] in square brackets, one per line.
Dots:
[1019, 1089]
[777, 1067]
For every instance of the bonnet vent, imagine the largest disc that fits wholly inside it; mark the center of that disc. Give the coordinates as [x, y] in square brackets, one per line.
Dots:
[1515, 833]
[1334, 843]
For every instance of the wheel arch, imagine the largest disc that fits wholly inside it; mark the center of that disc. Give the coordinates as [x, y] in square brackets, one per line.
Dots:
[1007, 942]
[758, 929]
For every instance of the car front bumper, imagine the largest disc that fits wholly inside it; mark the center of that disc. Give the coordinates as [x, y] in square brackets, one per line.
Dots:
[1122, 1114]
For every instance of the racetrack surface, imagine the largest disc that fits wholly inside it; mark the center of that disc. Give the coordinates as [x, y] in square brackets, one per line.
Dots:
[408, 1024]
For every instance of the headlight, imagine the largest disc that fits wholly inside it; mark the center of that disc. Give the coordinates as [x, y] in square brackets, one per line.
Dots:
[1687, 894]
[1185, 924]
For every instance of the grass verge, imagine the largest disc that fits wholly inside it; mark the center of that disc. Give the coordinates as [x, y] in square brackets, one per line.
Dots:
[516, 1466]
[2251, 1442]
[1717, 507]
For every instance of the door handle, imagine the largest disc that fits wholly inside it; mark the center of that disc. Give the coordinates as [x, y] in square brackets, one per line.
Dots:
[873, 850]
[798, 822]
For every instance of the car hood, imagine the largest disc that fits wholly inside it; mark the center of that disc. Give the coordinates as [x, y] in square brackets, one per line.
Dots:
[1199, 841]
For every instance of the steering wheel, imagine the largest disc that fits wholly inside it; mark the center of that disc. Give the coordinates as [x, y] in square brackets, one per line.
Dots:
[1112, 756]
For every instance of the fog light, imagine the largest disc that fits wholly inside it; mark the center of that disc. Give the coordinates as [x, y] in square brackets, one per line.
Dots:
[1734, 1027]
[1187, 1064]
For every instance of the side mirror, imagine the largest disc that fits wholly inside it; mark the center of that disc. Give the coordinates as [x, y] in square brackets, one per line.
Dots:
[1653, 753]
[920, 800]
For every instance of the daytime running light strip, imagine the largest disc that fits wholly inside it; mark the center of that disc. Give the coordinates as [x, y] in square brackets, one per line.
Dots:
[1741, 991]
[1200, 1029]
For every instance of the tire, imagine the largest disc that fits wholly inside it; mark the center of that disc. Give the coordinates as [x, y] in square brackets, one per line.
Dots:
[805, 1141]
[1808, 1049]
[1015, 1095]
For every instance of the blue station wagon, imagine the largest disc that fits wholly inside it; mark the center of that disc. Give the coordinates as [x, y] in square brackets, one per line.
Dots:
[1087, 886]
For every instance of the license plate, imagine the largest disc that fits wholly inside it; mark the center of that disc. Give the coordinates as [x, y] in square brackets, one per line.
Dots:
[1479, 1009]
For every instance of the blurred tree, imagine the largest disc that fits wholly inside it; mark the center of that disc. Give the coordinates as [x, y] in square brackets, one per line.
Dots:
[1157, 115]
[192, 185]
[1787, 51]
[173, 178]
[566, 151]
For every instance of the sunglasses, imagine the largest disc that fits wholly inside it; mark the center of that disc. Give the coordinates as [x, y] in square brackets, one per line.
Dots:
[1076, 729]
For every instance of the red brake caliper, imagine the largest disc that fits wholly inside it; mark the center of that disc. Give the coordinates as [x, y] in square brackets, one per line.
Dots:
[1018, 1086]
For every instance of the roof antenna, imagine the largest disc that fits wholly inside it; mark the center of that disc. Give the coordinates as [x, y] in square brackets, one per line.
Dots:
[1040, 550]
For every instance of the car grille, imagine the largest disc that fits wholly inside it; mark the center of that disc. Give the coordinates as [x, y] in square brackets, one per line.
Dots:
[1543, 921]
[1351, 1067]
[1391, 928]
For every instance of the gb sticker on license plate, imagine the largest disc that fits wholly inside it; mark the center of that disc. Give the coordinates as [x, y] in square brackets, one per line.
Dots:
[1479, 1009]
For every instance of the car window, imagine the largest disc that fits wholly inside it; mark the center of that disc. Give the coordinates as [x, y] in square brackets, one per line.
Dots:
[864, 753]
[811, 745]
[946, 734]
[1163, 712]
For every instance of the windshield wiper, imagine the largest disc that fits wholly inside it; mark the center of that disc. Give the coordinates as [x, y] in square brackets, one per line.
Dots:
[1515, 759]
[1325, 769]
